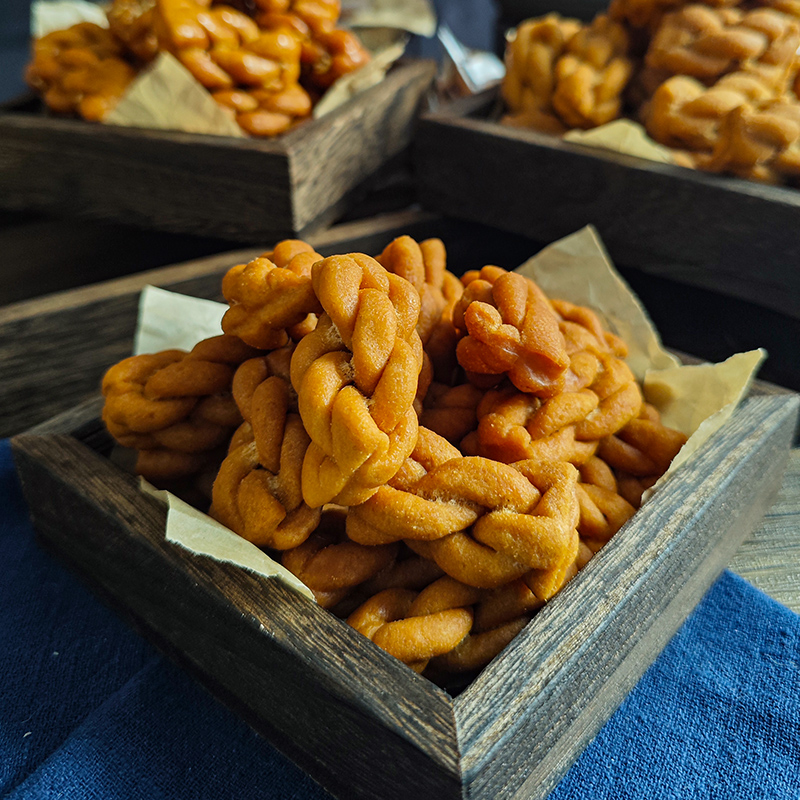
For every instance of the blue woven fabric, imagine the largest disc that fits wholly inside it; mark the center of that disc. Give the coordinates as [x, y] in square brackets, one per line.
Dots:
[89, 710]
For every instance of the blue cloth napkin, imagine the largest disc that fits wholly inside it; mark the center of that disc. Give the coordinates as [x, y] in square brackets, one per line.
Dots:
[90, 710]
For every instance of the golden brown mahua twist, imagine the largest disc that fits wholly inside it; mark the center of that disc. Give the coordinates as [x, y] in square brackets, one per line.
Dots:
[174, 407]
[251, 71]
[257, 491]
[79, 70]
[592, 74]
[511, 330]
[423, 265]
[451, 412]
[483, 522]
[270, 294]
[356, 377]
[707, 43]
[685, 113]
[503, 435]
[649, 13]
[331, 566]
[532, 52]
[641, 453]
[761, 143]
[642, 448]
[415, 627]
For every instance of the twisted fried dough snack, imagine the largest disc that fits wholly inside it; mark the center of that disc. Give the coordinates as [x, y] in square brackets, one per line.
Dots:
[762, 143]
[532, 52]
[79, 70]
[648, 14]
[131, 21]
[356, 377]
[331, 566]
[482, 522]
[257, 490]
[705, 43]
[252, 71]
[424, 266]
[511, 330]
[270, 294]
[592, 74]
[451, 412]
[685, 113]
[174, 407]
[417, 627]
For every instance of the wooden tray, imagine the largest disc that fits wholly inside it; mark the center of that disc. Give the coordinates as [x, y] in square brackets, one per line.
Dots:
[241, 189]
[733, 236]
[357, 720]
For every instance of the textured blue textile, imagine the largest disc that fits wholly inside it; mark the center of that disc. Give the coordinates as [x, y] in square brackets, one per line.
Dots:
[89, 710]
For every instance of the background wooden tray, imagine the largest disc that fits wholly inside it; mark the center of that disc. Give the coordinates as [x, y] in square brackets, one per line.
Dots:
[242, 189]
[736, 237]
[359, 722]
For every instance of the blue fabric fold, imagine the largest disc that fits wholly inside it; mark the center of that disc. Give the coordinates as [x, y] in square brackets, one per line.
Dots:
[90, 710]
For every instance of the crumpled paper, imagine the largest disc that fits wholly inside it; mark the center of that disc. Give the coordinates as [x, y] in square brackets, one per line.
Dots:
[414, 16]
[56, 15]
[190, 528]
[623, 136]
[696, 400]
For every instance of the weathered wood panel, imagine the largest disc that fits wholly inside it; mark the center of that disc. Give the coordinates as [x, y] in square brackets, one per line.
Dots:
[240, 189]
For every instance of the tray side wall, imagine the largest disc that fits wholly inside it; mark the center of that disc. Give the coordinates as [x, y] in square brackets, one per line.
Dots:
[163, 181]
[586, 651]
[304, 676]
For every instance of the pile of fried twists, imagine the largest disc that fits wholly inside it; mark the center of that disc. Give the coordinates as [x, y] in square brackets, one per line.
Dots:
[266, 67]
[435, 458]
[716, 81]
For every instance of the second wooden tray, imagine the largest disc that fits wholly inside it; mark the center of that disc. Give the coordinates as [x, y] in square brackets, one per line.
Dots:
[241, 189]
[740, 238]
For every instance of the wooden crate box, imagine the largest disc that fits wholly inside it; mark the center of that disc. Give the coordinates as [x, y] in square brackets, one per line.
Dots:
[241, 189]
[736, 237]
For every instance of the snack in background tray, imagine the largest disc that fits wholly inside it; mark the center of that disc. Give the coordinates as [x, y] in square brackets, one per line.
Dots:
[715, 78]
[81, 70]
[435, 516]
[266, 72]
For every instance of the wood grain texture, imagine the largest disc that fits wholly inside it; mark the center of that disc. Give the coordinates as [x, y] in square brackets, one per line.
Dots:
[239, 189]
[740, 238]
[362, 724]
[770, 558]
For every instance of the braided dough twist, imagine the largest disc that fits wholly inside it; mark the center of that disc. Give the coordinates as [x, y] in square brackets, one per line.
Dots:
[174, 407]
[592, 74]
[511, 330]
[705, 43]
[356, 377]
[417, 627]
[270, 294]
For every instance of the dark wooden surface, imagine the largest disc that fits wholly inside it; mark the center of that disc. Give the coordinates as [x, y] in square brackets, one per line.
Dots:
[240, 189]
[735, 237]
[362, 724]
